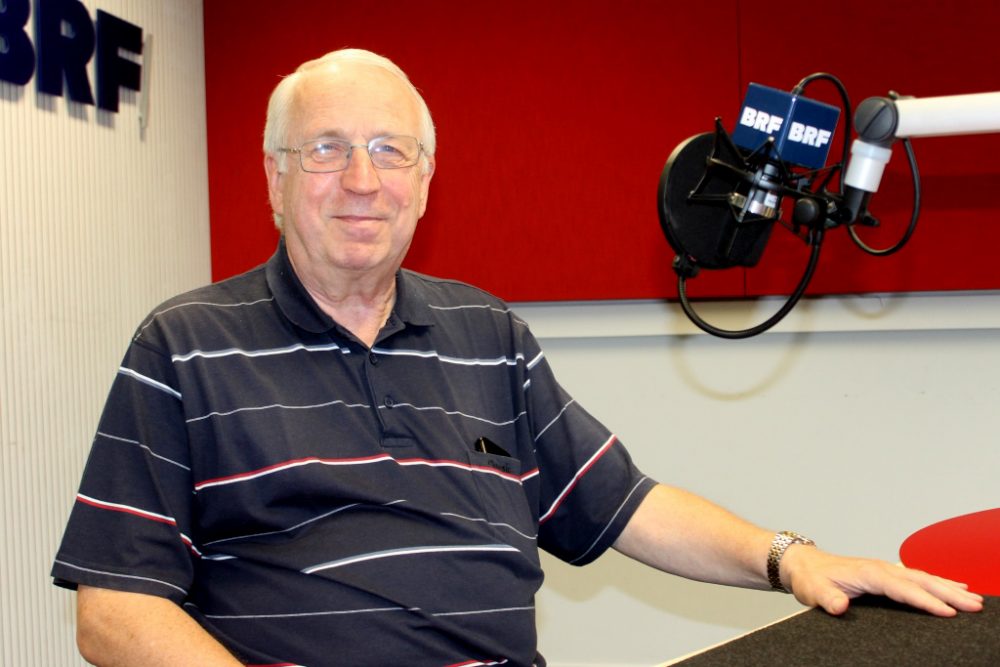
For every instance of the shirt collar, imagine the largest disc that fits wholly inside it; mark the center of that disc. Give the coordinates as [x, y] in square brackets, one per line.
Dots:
[411, 300]
[298, 306]
[291, 296]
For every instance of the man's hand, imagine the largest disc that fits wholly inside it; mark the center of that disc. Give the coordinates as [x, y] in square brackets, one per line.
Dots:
[678, 532]
[817, 578]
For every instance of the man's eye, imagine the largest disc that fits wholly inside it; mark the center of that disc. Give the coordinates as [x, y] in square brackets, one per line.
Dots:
[387, 149]
[327, 151]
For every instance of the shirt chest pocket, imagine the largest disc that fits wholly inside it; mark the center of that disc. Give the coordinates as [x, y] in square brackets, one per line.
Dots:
[501, 496]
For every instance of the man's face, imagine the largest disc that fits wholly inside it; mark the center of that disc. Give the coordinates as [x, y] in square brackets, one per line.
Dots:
[357, 222]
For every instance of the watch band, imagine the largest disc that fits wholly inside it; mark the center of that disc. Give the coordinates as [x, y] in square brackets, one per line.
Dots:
[779, 545]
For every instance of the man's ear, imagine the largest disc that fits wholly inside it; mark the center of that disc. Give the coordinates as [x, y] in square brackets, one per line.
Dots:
[425, 184]
[274, 183]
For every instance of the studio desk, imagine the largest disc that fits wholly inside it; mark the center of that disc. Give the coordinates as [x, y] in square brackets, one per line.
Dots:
[877, 631]
[873, 631]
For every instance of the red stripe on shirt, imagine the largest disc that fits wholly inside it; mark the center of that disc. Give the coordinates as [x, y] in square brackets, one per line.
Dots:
[239, 477]
[284, 465]
[576, 478]
[126, 509]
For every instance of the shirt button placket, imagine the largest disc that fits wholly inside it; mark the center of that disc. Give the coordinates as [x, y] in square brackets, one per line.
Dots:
[371, 376]
[388, 400]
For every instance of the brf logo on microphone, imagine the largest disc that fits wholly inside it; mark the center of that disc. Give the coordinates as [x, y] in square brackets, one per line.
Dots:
[802, 128]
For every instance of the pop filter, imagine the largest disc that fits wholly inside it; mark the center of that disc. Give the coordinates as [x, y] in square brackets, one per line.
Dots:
[702, 211]
[717, 209]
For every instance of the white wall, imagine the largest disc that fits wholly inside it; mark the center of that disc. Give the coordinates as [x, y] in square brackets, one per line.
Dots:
[98, 222]
[866, 419]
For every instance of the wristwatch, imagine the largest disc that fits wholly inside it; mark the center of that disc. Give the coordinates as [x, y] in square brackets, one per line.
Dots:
[779, 544]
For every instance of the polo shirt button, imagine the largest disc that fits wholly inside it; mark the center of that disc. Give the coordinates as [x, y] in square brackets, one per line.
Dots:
[389, 401]
[373, 358]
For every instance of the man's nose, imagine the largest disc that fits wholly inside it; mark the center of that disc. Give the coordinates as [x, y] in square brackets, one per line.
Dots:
[360, 175]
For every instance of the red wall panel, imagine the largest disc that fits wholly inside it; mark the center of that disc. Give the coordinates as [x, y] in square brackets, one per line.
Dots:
[555, 118]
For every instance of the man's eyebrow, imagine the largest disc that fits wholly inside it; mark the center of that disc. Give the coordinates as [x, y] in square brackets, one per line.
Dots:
[329, 134]
[340, 135]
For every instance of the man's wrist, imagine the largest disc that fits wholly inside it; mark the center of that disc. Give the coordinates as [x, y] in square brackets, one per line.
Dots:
[779, 545]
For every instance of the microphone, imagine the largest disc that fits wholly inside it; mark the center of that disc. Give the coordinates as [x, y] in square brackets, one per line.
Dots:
[720, 194]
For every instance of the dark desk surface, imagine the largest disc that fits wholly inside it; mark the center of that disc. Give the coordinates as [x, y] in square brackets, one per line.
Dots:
[874, 631]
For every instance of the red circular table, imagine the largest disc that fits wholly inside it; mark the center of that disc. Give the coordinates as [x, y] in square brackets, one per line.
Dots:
[965, 548]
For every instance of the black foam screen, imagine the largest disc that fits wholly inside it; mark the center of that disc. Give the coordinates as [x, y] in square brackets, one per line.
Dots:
[696, 214]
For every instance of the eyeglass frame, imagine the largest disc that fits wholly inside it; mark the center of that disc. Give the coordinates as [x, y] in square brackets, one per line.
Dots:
[350, 152]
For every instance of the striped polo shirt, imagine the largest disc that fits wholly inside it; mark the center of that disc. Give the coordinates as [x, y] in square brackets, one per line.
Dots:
[312, 501]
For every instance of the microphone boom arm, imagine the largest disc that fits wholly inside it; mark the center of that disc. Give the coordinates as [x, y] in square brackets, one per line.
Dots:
[880, 121]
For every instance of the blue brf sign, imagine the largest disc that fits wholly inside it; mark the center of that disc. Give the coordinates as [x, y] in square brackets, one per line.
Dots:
[802, 128]
[65, 41]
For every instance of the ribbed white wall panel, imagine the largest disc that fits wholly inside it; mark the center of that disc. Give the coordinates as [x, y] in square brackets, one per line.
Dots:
[99, 221]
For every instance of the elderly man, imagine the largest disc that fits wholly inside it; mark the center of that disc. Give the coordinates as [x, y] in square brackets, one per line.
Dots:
[332, 461]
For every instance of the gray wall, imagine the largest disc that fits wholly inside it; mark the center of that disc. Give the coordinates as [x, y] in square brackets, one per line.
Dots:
[865, 420]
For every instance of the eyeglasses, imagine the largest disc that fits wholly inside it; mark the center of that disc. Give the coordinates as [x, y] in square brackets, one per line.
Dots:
[323, 156]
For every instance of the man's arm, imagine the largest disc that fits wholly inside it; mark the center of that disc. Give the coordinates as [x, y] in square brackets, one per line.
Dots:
[125, 629]
[681, 533]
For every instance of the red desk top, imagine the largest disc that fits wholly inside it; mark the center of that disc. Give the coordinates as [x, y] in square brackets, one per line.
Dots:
[965, 548]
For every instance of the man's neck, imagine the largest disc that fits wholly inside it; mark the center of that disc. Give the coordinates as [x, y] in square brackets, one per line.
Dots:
[360, 303]
[363, 316]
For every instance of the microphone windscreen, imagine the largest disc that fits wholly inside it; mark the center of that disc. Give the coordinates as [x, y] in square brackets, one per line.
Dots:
[704, 228]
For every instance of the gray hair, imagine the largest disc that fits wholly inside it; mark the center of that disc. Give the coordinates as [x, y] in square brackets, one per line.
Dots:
[278, 107]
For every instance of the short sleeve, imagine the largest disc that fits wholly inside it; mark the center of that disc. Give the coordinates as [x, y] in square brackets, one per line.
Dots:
[130, 526]
[589, 486]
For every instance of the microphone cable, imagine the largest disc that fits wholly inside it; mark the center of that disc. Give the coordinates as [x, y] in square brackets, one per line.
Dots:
[815, 239]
